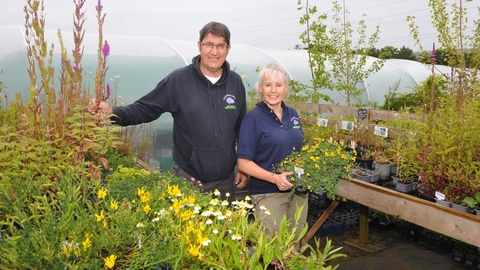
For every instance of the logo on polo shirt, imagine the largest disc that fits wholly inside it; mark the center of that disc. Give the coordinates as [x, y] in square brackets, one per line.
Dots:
[230, 100]
[295, 122]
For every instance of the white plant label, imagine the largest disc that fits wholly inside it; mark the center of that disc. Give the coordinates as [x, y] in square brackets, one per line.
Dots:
[322, 122]
[347, 125]
[299, 171]
[381, 131]
[439, 196]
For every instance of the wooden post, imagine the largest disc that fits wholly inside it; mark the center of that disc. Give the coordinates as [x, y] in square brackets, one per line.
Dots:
[363, 234]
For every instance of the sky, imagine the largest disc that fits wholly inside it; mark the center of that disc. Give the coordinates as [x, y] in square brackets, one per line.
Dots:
[272, 24]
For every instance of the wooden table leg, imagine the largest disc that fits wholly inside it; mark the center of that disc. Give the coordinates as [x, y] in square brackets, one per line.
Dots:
[312, 231]
[363, 234]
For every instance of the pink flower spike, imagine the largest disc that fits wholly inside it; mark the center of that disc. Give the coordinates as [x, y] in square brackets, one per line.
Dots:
[106, 49]
[107, 92]
[99, 6]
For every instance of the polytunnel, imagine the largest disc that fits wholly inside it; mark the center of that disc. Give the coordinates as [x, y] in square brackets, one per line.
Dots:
[137, 64]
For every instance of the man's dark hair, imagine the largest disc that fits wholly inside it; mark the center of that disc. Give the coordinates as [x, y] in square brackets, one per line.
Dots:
[216, 29]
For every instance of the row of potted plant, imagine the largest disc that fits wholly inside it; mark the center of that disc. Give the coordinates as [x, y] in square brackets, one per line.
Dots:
[422, 152]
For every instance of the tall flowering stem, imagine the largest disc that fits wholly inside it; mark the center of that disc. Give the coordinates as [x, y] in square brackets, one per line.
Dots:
[102, 54]
[40, 59]
[433, 59]
[71, 74]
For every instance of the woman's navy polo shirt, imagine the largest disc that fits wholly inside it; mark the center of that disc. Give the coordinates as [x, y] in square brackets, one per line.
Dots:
[266, 140]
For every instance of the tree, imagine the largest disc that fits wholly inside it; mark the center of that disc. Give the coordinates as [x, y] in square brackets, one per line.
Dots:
[348, 58]
[460, 50]
[388, 52]
[406, 53]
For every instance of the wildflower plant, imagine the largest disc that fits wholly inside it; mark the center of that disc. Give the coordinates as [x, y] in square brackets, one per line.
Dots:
[318, 166]
[164, 223]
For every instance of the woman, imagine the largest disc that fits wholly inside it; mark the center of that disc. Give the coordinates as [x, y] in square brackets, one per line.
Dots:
[268, 134]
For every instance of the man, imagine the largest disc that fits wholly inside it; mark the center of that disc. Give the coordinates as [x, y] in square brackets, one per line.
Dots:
[207, 102]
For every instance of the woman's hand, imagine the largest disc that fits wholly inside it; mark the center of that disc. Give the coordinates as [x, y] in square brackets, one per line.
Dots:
[282, 182]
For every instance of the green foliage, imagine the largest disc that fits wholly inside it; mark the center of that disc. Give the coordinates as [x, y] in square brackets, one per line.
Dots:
[347, 57]
[451, 128]
[390, 52]
[419, 99]
[403, 148]
[145, 218]
[474, 201]
[450, 136]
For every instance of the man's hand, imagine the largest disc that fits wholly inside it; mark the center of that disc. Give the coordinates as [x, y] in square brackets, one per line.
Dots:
[100, 108]
[241, 179]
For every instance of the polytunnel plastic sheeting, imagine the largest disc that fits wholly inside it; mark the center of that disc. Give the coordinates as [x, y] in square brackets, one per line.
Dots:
[385, 80]
[13, 60]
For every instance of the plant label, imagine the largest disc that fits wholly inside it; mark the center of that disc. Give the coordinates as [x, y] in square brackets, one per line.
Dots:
[299, 171]
[347, 125]
[381, 131]
[439, 196]
[322, 122]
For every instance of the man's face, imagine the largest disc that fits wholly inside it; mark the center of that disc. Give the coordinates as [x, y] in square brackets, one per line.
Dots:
[213, 51]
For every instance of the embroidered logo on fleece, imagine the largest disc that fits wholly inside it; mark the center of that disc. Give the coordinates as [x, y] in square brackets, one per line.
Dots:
[230, 100]
[296, 122]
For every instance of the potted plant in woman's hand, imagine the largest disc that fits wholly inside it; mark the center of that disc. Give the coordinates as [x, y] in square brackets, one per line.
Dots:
[318, 166]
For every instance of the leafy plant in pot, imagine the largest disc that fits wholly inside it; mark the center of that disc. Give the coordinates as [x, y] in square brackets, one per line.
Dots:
[382, 163]
[403, 149]
[449, 157]
[365, 158]
[319, 165]
[365, 174]
[364, 141]
[473, 202]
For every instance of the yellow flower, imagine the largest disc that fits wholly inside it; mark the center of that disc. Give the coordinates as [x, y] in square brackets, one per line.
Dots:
[87, 243]
[100, 217]
[174, 191]
[102, 193]
[186, 215]
[110, 261]
[147, 209]
[191, 200]
[114, 204]
[194, 250]
[145, 197]
[140, 192]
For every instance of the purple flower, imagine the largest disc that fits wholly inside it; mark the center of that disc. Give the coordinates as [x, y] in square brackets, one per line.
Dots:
[99, 6]
[107, 93]
[106, 49]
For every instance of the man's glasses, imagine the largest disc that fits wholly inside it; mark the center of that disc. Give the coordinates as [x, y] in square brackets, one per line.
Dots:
[210, 46]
